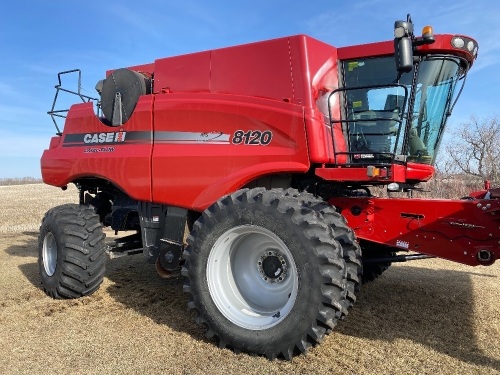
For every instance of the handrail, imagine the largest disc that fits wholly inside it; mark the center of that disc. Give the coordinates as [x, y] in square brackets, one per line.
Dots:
[61, 112]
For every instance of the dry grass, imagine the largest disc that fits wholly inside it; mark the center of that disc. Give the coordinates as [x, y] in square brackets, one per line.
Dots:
[427, 317]
[23, 206]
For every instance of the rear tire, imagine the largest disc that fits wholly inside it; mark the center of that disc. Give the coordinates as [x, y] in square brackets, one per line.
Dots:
[71, 251]
[265, 273]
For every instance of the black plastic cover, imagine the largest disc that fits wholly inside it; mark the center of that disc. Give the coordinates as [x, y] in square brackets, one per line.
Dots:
[130, 85]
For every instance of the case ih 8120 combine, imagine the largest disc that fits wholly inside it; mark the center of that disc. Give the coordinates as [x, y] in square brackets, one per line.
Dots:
[267, 152]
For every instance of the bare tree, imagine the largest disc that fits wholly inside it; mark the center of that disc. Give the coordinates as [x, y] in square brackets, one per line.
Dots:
[475, 148]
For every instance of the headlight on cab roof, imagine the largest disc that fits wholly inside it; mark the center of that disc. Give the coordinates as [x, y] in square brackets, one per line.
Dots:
[466, 44]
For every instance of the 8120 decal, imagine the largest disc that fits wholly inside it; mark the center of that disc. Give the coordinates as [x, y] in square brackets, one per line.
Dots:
[252, 137]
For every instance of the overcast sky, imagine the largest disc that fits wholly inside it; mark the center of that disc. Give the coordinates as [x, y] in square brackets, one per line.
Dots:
[40, 38]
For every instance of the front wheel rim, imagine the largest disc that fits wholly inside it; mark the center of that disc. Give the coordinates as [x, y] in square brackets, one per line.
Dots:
[49, 254]
[252, 277]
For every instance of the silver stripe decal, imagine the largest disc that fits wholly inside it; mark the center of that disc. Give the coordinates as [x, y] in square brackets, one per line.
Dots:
[191, 137]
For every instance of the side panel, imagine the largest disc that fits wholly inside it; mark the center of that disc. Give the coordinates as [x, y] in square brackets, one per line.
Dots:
[463, 231]
[88, 148]
[258, 69]
[314, 70]
[208, 145]
[187, 73]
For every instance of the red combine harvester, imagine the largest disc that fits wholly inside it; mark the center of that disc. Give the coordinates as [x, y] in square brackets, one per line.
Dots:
[266, 152]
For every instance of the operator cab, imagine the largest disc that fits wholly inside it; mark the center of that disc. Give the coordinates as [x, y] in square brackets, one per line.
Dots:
[389, 120]
[393, 110]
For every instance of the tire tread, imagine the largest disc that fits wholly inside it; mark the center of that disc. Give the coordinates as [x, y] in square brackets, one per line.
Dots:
[323, 246]
[81, 260]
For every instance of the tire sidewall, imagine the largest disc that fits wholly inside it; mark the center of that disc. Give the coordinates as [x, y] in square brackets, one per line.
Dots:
[307, 299]
[79, 241]
[50, 282]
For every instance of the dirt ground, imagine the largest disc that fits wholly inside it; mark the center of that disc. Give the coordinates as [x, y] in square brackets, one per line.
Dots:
[422, 317]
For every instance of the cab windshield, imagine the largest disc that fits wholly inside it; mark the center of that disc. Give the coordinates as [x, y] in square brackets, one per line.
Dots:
[388, 119]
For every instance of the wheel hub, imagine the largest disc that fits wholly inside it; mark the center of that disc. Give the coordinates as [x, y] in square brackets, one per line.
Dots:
[49, 254]
[272, 267]
[252, 277]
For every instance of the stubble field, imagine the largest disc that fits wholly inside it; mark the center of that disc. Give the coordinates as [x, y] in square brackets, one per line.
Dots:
[423, 317]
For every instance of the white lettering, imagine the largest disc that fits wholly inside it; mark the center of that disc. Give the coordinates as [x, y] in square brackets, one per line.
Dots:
[104, 137]
[403, 244]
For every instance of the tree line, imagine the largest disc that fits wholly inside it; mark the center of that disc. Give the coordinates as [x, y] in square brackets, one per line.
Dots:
[19, 181]
[474, 150]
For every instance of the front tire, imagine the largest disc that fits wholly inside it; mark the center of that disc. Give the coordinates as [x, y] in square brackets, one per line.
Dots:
[372, 271]
[265, 273]
[350, 249]
[71, 251]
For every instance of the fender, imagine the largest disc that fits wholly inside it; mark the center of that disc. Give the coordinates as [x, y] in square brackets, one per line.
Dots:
[240, 178]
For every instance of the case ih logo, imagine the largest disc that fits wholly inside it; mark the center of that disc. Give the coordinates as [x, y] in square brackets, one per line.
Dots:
[113, 137]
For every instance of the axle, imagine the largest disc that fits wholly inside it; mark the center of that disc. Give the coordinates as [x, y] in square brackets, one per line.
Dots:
[397, 258]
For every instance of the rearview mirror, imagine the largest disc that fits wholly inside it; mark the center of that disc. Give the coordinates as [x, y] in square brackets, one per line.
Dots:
[403, 46]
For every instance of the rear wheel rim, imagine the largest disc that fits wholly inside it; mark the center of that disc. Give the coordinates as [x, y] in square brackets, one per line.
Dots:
[252, 277]
[49, 254]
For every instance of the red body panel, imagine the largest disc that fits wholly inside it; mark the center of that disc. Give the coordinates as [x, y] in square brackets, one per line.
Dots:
[195, 162]
[394, 173]
[452, 229]
[127, 164]
[171, 73]
[187, 159]
[419, 172]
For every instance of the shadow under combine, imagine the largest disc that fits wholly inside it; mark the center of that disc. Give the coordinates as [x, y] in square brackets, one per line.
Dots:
[27, 248]
[135, 284]
[432, 307]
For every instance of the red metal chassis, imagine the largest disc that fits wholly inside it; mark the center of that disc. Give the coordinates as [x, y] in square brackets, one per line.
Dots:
[465, 231]
[178, 146]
